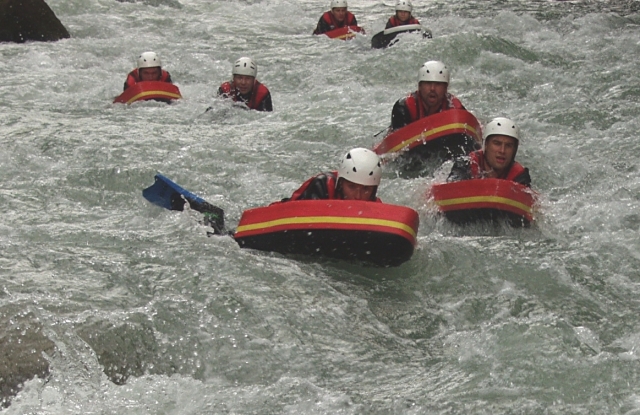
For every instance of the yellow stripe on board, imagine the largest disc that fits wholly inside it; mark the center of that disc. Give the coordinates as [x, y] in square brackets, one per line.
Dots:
[327, 219]
[147, 93]
[479, 199]
[425, 134]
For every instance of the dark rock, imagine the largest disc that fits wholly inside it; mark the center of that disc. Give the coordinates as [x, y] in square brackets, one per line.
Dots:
[24, 20]
[123, 351]
[131, 349]
[22, 345]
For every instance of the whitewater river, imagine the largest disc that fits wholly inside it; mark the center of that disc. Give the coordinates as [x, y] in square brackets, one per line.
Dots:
[125, 308]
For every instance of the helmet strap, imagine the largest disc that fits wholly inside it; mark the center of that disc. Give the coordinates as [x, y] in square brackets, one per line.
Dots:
[373, 194]
[339, 188]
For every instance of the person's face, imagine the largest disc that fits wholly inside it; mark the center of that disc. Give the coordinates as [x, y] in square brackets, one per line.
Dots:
[244, 83]
[403, 15]
[355, 191]
[499, 152]
[432, 93]
[340, 13]
[150, 74]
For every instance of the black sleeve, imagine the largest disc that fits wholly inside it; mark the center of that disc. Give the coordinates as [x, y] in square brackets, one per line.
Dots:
[266, 104]
[317, 189]
[322, 27]
[169, 78]
[125, 86]
[461, 170]
[389, 24]
[523, 178]
[400, 115]
[355, 21]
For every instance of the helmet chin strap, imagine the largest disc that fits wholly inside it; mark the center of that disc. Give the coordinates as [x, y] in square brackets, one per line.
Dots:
[373, 194]
[339, 187]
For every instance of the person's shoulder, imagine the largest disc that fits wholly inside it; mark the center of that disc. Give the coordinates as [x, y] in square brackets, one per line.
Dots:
[454, 102]
[523, 178]
[166, 76]
[323, 176]
[461, 169]
[464, 160]
[400, 110]
[403, 101]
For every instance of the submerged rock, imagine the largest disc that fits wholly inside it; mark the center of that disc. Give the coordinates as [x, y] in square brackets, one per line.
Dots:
[24, 20]
[123, 351]
[22, 350]
[132, 349]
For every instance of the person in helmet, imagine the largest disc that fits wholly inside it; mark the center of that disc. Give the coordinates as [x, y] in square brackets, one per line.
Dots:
[335, 18]
[245, 88]
[403, 15]
[496, 159]
[357, 178]
[431, 97]
[149, 69]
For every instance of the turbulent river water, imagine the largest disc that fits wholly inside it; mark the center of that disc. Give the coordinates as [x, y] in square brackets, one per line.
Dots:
[122, 307]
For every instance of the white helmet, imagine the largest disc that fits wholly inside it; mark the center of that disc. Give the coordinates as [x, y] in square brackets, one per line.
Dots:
[245, 66]
[149, 60]
[361, 166]
[501, 126]
[338, 3]
[404, 6]
[434, 71]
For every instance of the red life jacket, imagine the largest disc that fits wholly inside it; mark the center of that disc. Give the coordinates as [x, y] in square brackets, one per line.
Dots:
[477, 164]
[394, 21]
[134, 77]
[258, 93]
[417, 110]
[331, 180]
[349, 20]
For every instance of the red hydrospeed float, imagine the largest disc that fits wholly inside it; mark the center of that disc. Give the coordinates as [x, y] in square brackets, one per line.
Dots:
[379, 233]
[447, 134]
[145, 90]
[344, 33]
[485, 199]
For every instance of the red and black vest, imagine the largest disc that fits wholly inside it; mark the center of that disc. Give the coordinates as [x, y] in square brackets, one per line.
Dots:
[330, 179]
[321, 186]
[417, 110]
[134, 77]
[258, 93]
[477, 165]
[394, 22]
[349, 20]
